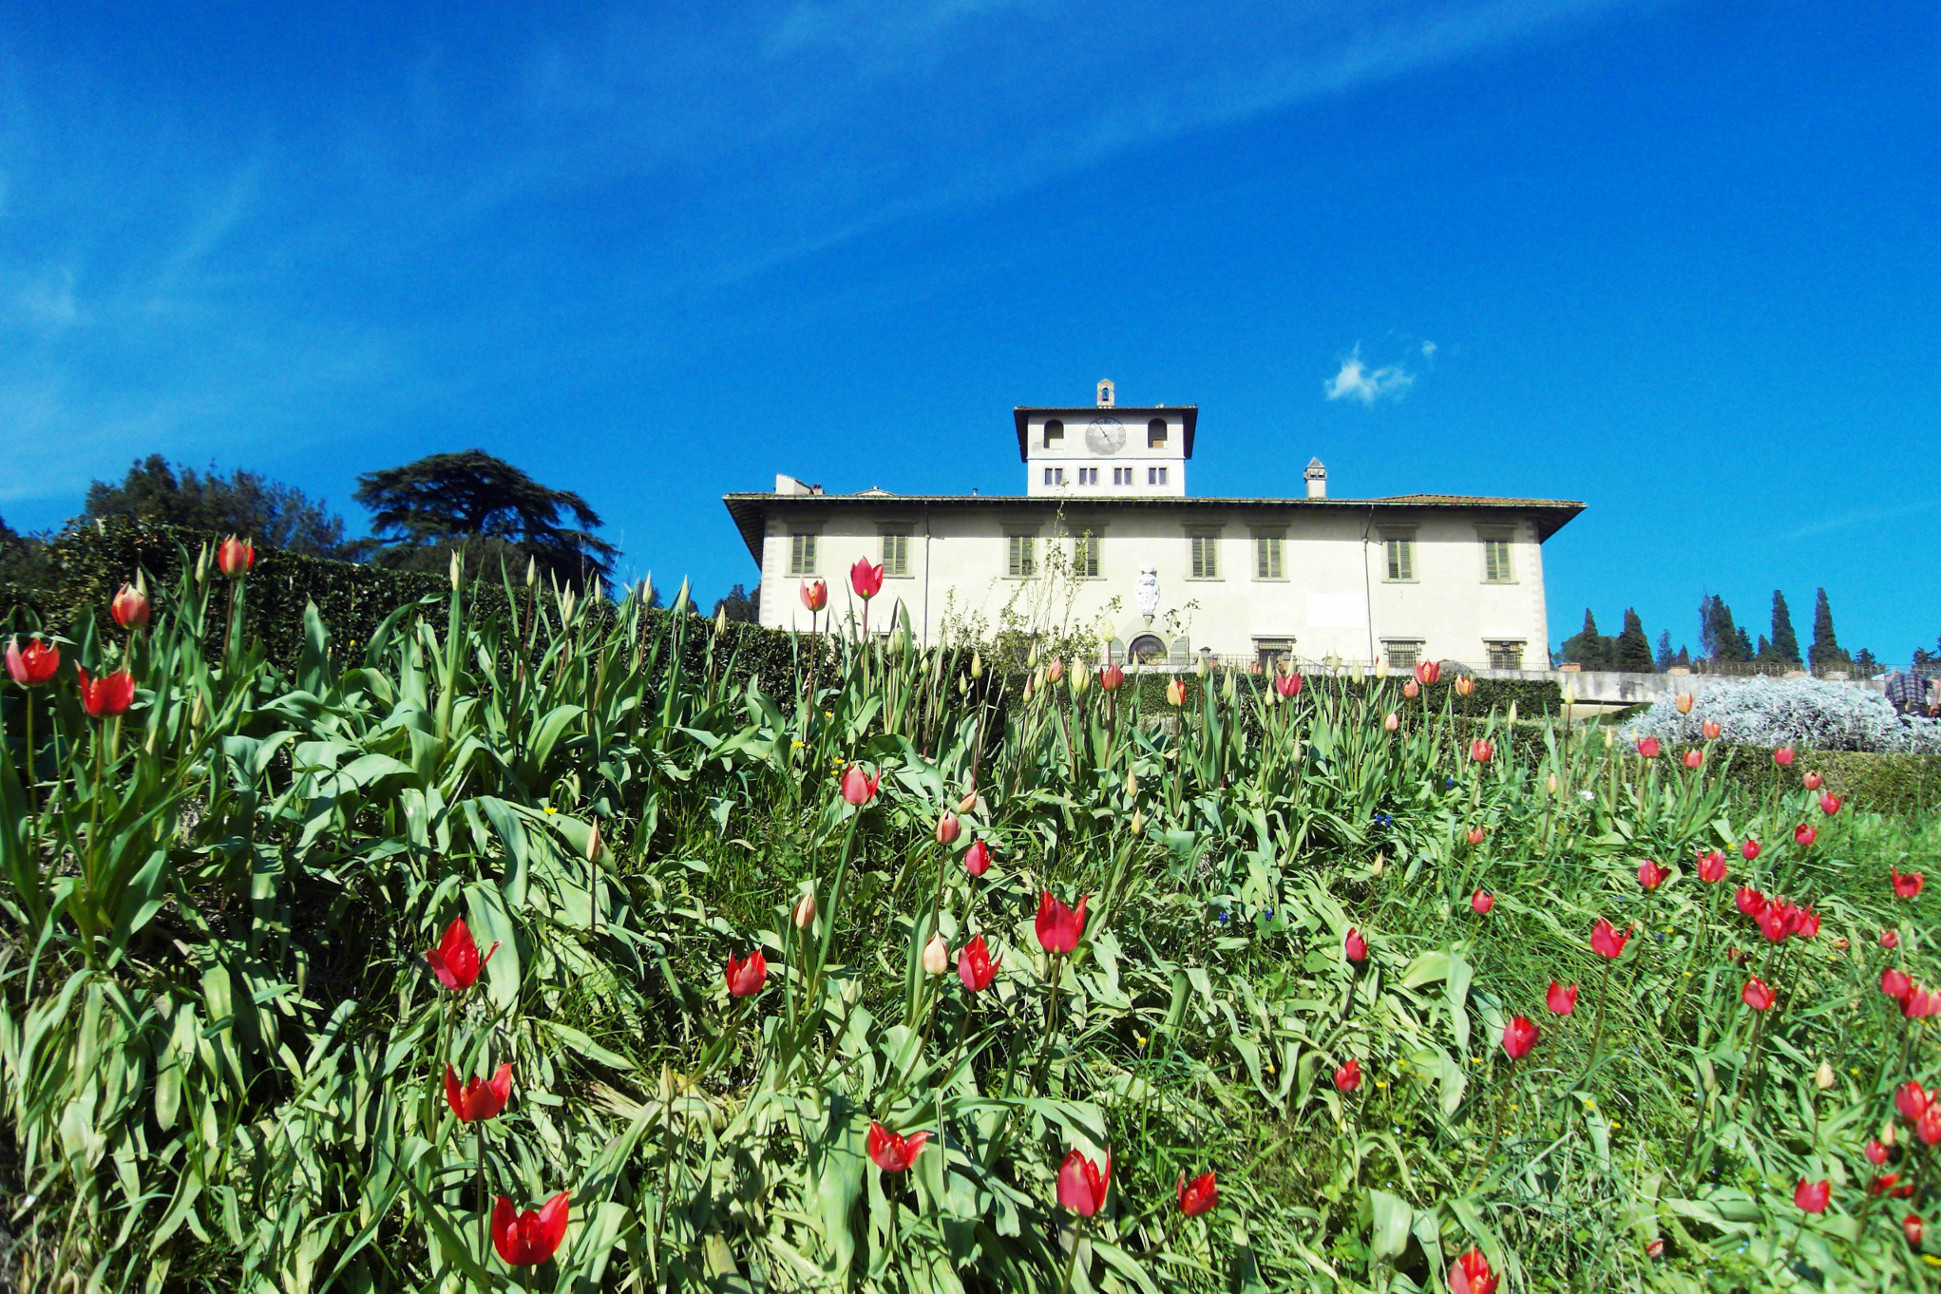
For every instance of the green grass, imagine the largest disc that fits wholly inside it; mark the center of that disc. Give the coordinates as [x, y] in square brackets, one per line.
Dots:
[220, 1047]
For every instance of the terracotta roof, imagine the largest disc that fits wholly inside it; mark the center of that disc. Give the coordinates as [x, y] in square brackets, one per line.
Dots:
[750, 510]
[1022, 416]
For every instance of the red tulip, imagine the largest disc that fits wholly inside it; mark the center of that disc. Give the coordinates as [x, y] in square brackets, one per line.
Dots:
[1480, 751]
[1355, 947]
[948, 829]
[1757, 994]
[858, 787]
[1812, 1196]
[746, 976]
[1908, 885]
[34, 666]
[1651, 875]
[815, 596]
[1197, 1196]
[455, 961]
[1811, 781]
[1348, 1077]
[1804, 835]
[1482, 901]
[235, 557]
[1411, 688]
[1921, 1003]
[1560, 1000]
[1711, 729]
[1829, 804]
[1928, 1128]
[1783, 756]
[130, 607]
[1911, 1228]
[1895, 983]
[1111, 678]
[865, 579]
[1655, 1248]
[975, 965]
[1911, 1101]
[479, 1098]
[1428, 671]
[977, 859]
[1876, 1153]
[1749, 901]
[1607, 942]
[1886, 1184]
[107, 696]
[1711, 867]
[1750, 850]
[892, 1152]
[1890, 939]
[1058, 926]
[1519, 1035]
[1693, 758]
[1476, 835]
[528, 1239]
[1471, 1274]
[1809, 923]
[1082, 1184]
[1649, 747]
[1288, 685]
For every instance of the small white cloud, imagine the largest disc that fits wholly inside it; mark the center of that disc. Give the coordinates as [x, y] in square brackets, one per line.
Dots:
[1356, 381]
[1428, 350]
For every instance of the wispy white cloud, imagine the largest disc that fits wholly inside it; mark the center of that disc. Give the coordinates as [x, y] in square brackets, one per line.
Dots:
[1356, 381]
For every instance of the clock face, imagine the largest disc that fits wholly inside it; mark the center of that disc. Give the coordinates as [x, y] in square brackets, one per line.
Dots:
[1106, 435]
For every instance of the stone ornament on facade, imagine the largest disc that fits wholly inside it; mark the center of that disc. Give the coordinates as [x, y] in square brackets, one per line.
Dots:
[1145, 594]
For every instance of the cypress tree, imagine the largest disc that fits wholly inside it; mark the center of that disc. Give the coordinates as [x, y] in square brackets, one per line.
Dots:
[1785, 641]
[1825, 652]
[1633, 648]
[1664, 658]
[1587, 647]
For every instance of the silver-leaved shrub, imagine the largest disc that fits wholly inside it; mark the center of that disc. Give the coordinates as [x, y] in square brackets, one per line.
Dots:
[1809, 713]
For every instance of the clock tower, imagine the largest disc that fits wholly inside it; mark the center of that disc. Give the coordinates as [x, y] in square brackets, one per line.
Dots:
[1106, 450]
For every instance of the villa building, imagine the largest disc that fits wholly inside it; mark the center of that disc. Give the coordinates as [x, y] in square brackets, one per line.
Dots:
[1105, 537]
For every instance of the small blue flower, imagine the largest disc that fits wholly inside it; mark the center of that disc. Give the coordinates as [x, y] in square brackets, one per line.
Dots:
[1269, 914]
[1224, 917]
[1448, 783]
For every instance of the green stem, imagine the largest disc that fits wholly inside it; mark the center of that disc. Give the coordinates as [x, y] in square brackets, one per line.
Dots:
[1071, 1259]
[1597, 1033]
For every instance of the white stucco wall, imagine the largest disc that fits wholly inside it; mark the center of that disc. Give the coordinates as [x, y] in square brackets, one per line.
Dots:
[1334, 597]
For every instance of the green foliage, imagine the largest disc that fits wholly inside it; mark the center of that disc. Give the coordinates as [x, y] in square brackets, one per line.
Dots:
[244, 503]
[1633, 649]
[1589, 648]
[423, 509]
[222, 1054]
[1785, 643]
[1825, 651]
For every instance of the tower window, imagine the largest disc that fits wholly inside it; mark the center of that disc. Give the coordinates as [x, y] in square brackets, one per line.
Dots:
[1155, 476]
[1156, 434]
[1054, 432]
[1496, 558]
[1122, 476]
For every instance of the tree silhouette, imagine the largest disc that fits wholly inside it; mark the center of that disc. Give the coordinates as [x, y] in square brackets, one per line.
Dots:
[487, 506]
[1825, 652]
[1633, 648]
[243, 503]
[1785, 644]
[741, 605]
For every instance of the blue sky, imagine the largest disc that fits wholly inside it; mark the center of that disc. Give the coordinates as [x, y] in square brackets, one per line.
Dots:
[1678, 261]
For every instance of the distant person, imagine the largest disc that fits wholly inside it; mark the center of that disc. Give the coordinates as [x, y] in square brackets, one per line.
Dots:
[1907, 692]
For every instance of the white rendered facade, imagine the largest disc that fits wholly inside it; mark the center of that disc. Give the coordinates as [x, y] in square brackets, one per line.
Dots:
[1311, 578]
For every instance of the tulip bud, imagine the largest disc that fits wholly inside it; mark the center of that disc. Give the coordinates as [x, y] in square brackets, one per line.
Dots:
[1356, 672]
[968, 801]
[457, 570]
[1392, 722]
[804, 915]
[1031, 657]
[1027, 690]
[1138, 823]
[936, 956]
[948, 829]
[532, 575]
[1381, 667]
[1887, 1134]
[130, 607]
[1685, 701]
[681, 599]
[1132, 783]
[1551, 784]
[1411, 688]
[1056, 670]
[593, 844]
[721, 620]
[1512, 713]
[195, 712]
[1823, 1076]
[1570, 694]
[977, 665]
[1081, 679]
[202, 566]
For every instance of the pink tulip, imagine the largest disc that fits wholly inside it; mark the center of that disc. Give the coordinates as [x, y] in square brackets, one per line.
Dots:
[1829, 804]
[865, 579]
[1082, 1184]
[1475, 835]
[948, 829]
[1757, 994]
[130, 607]
[1480, 751]
[1783, 756]
[1711, 867]
[977, 859]
[1411, 689]
[1392, 721]
[1111, 678]
[1519, 1036]
[1649, 748]
[746, 975]
[1811, 781]
[1711, 730]
[815, 595]
[1482, 901]
[1428, 671]
[858, 787]
[1750, 849]
[1812, 1196]
[1606, 941]
[1059, 927]
[1804, 835]
[1560, 1000]
[975, 965]
[35, 665]
[1895, 983]
[1908, 885]
[1694, 758]
[1288, 685]
[235, 557]
[1651, 875]
[1355, 947]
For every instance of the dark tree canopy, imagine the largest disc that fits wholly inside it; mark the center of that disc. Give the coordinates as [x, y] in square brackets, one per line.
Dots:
[243, 503]
[1589, 648]
[1825, 652]
[489, 507]
[741, 605]
[1633, 648]
[1664, 658]
[1785, 645]
[1718, 637]
[22, 560]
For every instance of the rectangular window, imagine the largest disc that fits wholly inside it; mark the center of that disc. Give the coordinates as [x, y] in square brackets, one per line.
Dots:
[1267, 557]
[1205, 555]
[1088, 476]
[1400, 550]
[1021, 558]
[1156, 434]
[1122, 476]
[1155, 476]
[1505, 655]
[1269, 652]
[1047, 476]
[1496, 560]
[801, 553]
[1402, 653]
[896, 553]
[1085, 557]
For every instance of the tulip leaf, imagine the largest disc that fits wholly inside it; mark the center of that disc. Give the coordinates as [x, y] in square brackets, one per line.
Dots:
[1391, 1217]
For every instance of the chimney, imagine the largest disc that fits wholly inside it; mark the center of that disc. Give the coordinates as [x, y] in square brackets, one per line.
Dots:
[1317, 479]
